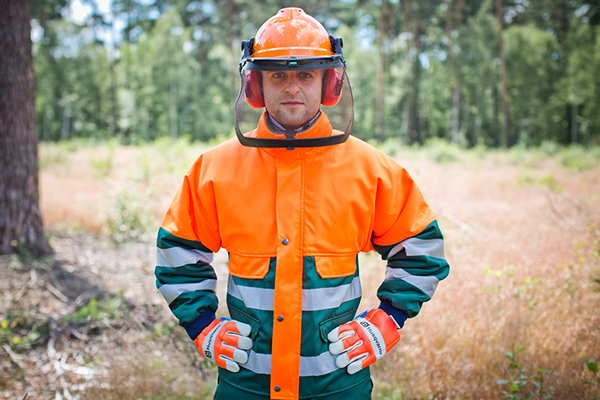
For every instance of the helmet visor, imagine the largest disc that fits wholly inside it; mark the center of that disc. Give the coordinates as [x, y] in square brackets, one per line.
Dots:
[294, 93]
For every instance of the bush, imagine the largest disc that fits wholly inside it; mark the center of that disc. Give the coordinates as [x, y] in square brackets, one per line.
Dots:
[578, 158]
[20, 330]
[104, 309]
[441, 151]
[129, 218]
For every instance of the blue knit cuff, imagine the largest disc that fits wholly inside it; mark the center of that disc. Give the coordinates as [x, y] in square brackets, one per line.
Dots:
[398, 315]
[197, 325]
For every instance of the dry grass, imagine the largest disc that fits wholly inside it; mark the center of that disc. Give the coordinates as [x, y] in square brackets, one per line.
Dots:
[522, 258]
[519, 239]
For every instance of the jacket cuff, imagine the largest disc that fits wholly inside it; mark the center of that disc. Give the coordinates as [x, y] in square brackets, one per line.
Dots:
[398, 315]
[197, 325]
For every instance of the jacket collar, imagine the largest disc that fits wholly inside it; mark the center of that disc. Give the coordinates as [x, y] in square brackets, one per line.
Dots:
[320, 128]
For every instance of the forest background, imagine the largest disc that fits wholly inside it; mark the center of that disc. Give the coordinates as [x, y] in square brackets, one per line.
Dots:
[491, 105]
[420, 70]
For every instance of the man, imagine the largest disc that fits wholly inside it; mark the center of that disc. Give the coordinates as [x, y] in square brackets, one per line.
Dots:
[294, 202]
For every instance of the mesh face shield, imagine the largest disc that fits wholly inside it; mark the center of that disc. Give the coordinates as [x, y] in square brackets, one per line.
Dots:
[293, 91]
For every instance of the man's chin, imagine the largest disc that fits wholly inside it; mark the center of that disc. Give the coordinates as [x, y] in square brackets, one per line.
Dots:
[292, 123]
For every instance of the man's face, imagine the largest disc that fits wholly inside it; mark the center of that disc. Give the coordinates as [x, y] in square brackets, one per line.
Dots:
[292, 97]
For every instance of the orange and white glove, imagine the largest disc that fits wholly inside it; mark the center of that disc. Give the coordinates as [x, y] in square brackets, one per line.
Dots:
[364, 340]
[224, 342]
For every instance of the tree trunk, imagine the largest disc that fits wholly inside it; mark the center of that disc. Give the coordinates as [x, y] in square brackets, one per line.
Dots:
[453, 80]
[503, 74]
[114, 107]
[114, 121]
[381, 73]
[413, 24]
[574, 123]
[496, 139]
[202, 50]
[232, 46]
[173, 110]
[66, 121]
[21, 226]
[414, 132]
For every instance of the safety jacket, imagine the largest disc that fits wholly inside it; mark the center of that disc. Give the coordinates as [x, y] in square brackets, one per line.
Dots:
[293, 223]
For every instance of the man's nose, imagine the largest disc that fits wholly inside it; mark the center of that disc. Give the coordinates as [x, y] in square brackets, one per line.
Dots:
[292, 86]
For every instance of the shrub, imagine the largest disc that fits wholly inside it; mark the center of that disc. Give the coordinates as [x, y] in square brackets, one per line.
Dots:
[20, 330]
[104, 309]
[129, 218]
[578, 158]
[441, 151]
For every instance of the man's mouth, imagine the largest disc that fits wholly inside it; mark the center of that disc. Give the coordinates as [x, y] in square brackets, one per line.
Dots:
[292, 103]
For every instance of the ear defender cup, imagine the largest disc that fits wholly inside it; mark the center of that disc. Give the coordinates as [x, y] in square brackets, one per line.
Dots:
[253, 93]
[332, 88]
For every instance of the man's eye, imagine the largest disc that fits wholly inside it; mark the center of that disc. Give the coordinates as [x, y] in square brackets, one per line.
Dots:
[306, 75]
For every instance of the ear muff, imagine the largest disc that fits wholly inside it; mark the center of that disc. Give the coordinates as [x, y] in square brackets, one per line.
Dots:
[253, 92]
[332, 87]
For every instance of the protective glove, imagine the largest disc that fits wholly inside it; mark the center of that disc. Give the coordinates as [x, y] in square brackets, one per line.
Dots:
[364, 340]
[224, 342]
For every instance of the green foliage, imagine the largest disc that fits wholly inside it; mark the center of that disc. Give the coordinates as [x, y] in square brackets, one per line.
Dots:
[441, 151]
[129, 217]
[105, 309]
[547, 180]
[579, 158]
[102, 165]
[524, 291]
[592, 369]
[163, 330]
[392, 146]
[519, 380]
[177, 153]
[52, 154]
[534, 95]
[20, 330]
[173, 71]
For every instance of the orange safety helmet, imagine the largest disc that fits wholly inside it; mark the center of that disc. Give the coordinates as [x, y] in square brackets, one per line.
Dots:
[292, 40]
[292, 33]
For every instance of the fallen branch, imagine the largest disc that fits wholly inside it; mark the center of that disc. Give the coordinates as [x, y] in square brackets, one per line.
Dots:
[21, 292]
[553, 208]
[60, 366]
[15, 358]
[57, 293]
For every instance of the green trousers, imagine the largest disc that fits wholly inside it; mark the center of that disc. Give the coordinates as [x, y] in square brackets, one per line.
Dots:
[225, 391]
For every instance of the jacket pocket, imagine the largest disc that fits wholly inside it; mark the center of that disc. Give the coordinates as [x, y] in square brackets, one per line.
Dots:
[331, 323]
[240, 315]
[248, 267]
[335, 266]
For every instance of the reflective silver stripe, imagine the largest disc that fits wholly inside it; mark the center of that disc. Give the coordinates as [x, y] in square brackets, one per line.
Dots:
[322, 364]
[312, 299]
[172, 291]
[420, 247]
[258, 363]
[427, 284]
[177, 257]
[257, 298]
[331, 297]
